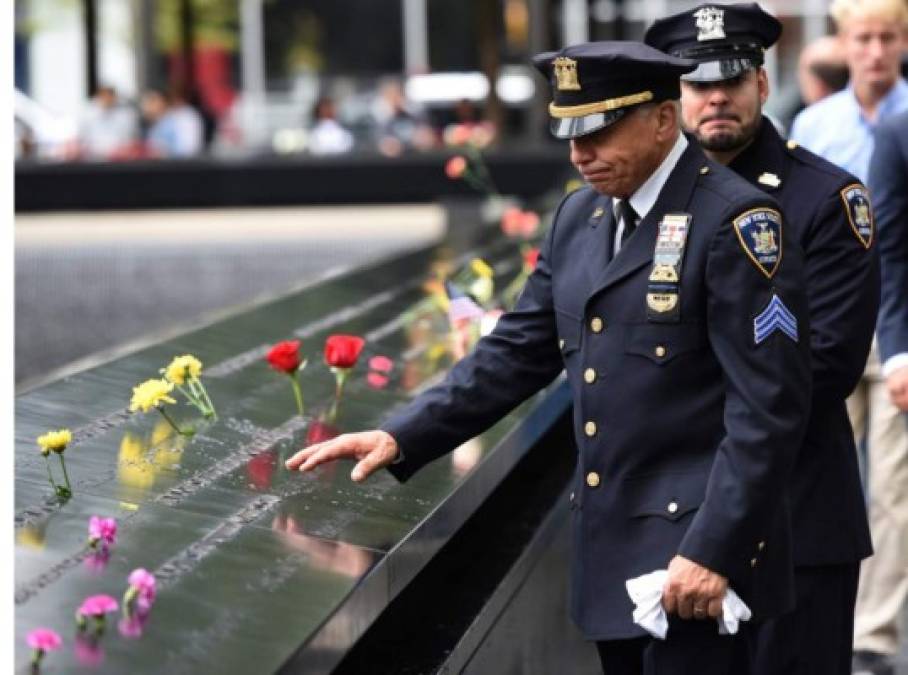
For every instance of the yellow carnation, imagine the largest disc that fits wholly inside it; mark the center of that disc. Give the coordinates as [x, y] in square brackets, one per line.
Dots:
[55, 440]
[151, 394]
[481, 267]
[183, 366]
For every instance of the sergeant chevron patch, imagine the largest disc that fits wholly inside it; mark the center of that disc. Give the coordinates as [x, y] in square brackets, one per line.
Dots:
[775, 317]
[860, 215]
[760, 233]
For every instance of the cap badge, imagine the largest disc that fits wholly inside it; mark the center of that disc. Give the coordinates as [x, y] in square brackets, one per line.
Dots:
[710, 23]
[566, 74]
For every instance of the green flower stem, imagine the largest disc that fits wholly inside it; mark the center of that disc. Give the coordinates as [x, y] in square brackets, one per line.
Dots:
[36, 658]
[129, 600]
[190, 395]
[341, 375]
[69, 487]
[50, 476]
[173, 424]
[204, 393]
[297, 392]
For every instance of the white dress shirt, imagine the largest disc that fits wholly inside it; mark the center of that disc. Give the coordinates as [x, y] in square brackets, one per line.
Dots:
[643, 200]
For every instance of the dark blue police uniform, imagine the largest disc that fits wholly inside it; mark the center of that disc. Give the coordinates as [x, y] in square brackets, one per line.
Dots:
[827, 210]
[689, 371]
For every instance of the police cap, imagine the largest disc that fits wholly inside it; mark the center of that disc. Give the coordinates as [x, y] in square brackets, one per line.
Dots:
[594, 84]
[725, 40]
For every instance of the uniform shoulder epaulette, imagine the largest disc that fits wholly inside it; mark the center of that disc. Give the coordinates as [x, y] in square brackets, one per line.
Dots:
[805, 157]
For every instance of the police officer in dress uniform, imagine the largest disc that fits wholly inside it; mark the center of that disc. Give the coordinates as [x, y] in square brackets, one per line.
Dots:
[828, 212]
[671, 291]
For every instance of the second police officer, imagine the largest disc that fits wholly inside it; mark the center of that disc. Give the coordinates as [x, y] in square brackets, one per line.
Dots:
[829, 212]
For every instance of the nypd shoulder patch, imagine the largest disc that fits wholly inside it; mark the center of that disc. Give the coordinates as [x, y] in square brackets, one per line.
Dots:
[775, 317]
[760, 234]
[860, 213]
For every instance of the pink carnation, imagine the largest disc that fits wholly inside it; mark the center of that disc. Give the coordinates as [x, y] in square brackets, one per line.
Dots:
[144, 582]
[102, 530]
[98, 605]
[44, 639]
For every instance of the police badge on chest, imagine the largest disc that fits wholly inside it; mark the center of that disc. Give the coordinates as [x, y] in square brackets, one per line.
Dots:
[663, 292]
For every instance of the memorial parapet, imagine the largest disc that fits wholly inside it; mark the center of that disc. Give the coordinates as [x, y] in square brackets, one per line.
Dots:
[256, 567]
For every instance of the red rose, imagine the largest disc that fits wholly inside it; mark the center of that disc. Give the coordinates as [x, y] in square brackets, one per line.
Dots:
[285, 356]
[530, 258]
[456, 167]
[342, 351]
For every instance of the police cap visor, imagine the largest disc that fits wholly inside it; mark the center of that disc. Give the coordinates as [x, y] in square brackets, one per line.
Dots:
[723, 69]
[574, 127]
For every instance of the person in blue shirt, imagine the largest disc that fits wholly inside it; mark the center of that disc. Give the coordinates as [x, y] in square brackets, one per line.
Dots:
[840, 128]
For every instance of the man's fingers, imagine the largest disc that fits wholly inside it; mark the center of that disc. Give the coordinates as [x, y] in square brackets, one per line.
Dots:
[329, 451]
[669, 600]
[364, 468]
[685, 608]
[301, 456]
[715, 608]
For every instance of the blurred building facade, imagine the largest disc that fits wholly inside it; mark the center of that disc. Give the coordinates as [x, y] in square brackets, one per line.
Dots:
[254, 69]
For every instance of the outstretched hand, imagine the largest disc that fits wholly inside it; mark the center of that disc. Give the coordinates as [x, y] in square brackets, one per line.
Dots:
[374, 450]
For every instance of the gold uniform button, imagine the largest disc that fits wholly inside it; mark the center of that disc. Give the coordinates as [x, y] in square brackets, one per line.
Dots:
[704, 170]
[753, 562]
[589, 428]
[792, 145]
[672, 507]
[596, 324]
[592, 479]
[589, 375]
[761, 545]
[660, 351]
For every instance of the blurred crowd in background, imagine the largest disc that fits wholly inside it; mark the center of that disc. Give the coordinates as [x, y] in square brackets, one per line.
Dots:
[228, 78]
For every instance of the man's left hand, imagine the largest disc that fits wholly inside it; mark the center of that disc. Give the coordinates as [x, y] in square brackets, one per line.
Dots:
[897, 383]
[693, 591]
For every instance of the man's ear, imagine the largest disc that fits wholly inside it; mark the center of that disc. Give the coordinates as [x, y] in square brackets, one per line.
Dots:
[668, 119]
[763, 85]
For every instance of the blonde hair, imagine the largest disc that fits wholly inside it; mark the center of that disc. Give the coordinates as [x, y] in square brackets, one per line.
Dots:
[843, 11]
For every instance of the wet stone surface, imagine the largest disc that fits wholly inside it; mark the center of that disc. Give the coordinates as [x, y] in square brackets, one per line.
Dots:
[253, 563]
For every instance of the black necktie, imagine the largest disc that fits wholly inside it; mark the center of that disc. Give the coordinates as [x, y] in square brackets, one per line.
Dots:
[629, 217]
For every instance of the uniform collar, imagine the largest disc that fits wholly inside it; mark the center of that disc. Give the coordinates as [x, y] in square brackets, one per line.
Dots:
[645, 197]
[764, 160]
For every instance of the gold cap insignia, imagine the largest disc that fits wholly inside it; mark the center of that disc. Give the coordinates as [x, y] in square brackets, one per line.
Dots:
[770, 179]
[566, 74]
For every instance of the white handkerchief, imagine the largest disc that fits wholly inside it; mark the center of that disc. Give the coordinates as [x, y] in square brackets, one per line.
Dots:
[646, 594]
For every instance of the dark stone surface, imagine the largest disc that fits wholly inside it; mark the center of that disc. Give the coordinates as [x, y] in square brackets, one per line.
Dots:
[256, 565]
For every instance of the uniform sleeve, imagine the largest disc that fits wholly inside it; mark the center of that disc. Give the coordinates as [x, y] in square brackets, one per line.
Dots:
[843, 295]
[767, 394]
[888, 182]
[516, 360]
